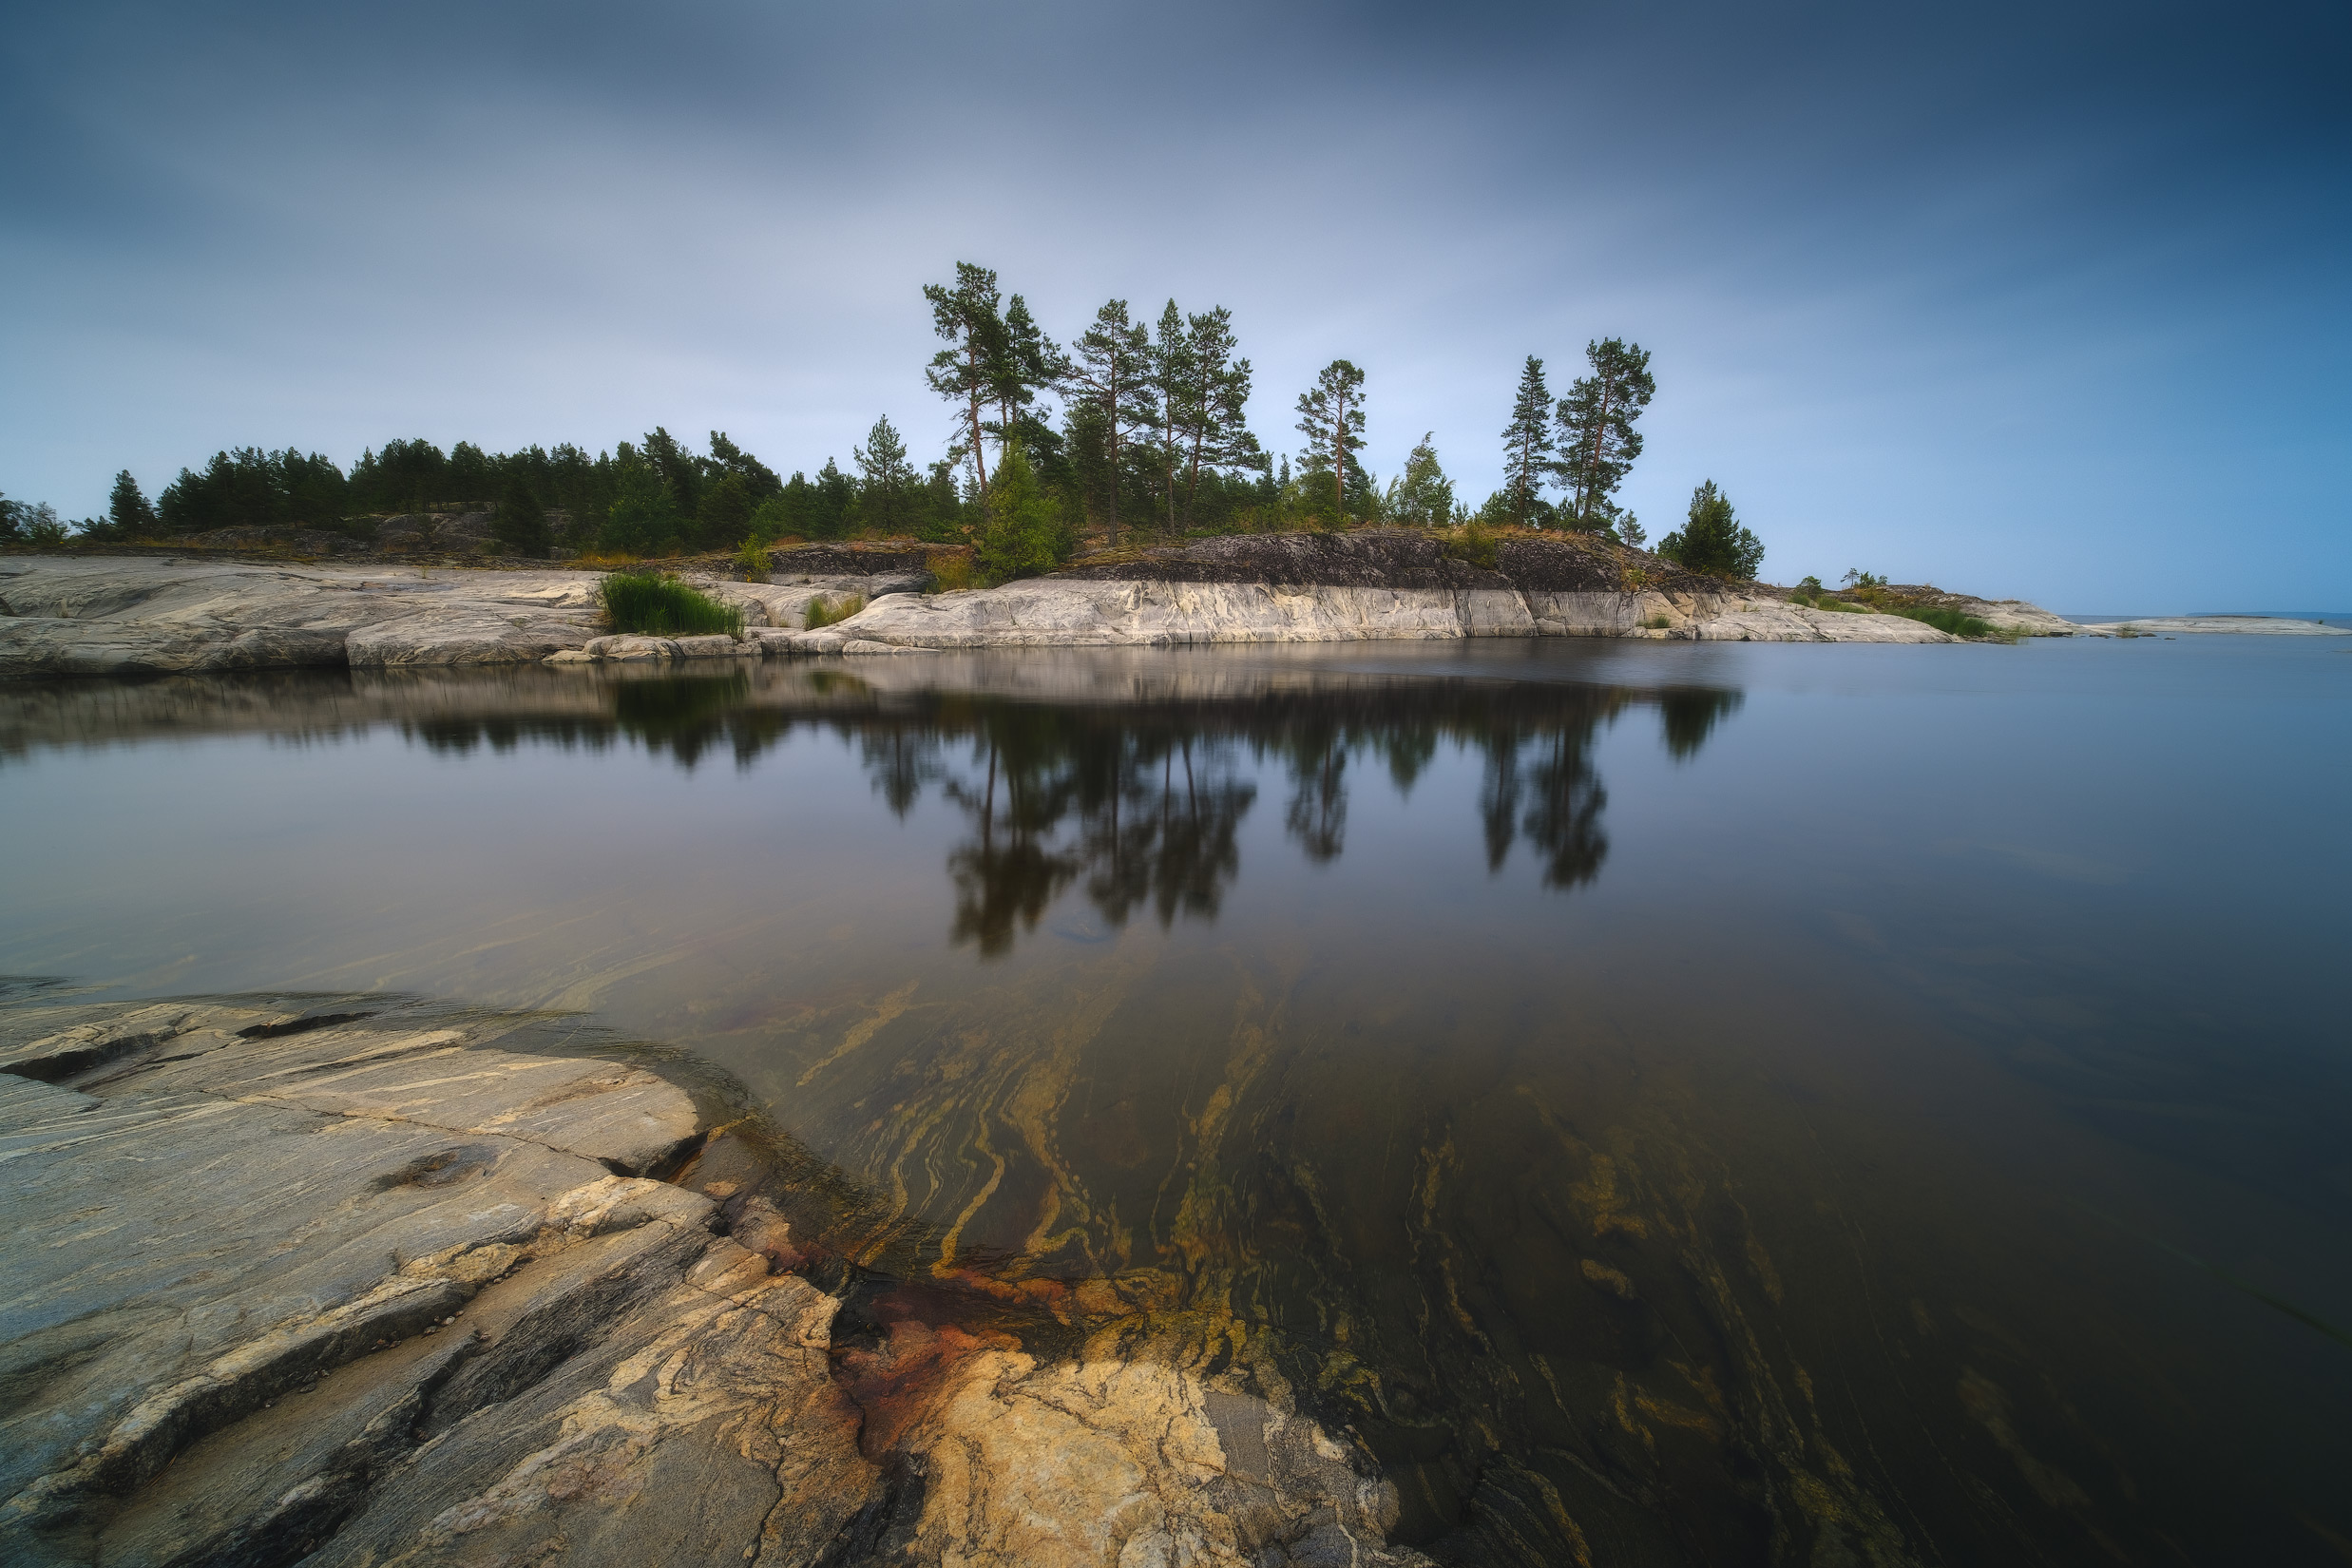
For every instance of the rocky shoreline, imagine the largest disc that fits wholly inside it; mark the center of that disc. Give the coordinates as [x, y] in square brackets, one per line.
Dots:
[359, 1280]
[134, 615]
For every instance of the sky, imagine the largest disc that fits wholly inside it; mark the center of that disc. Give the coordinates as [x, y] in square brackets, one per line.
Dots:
[2052, 301]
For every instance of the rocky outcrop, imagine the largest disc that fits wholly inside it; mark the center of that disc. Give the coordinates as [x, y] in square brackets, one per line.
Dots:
[101, 615]
[1064, 612]
[367, 1283]
[1349, 588]
[135, 616]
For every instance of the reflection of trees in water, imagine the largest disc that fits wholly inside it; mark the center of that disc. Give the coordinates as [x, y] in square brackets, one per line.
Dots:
[1139, 805]
[1690, 714]
[1551, 775]
[1147, 816]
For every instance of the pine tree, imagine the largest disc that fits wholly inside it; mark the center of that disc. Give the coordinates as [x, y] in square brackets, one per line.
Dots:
[127, 509]
[1597, 436]
[1714, 541]
[1025, 533]
[1423, 497]
[835, 500]
[1527, 441]
[887, 480]
[1330, 416]
[971, 370]
[1027, 364]
[643, 517]
[1212, 422]
[726, 457]
[521, 523]
[1109, 369]
[1176, 380]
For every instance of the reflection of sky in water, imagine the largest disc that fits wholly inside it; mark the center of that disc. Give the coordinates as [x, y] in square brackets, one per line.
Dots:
[1640, 1079]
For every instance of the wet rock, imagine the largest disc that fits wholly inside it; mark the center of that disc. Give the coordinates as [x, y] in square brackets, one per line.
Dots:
[350, 1285]
[1128, 1461]
[253, 1264]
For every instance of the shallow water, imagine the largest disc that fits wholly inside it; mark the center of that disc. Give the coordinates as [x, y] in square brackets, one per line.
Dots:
[1701, 1103]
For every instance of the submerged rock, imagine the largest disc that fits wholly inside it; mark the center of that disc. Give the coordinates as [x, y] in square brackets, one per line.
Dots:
[371, 1285]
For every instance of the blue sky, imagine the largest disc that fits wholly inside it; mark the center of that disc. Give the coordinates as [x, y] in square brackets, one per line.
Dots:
[2048, 301]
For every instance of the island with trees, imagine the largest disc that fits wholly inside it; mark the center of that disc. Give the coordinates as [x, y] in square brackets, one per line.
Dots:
[1103, 489]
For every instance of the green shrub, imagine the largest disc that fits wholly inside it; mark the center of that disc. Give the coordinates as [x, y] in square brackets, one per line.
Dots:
[1658, 624]
[1810, 586]
[824, 612]
[952, 570]
[1028, 531]
[751, 559]
[1472, 542]
[655, 604]
[1951, 622]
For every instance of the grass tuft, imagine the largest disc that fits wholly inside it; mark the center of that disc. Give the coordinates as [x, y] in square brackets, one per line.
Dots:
[822, 612]
[652, 605]
[952, 570]
[1658, 624]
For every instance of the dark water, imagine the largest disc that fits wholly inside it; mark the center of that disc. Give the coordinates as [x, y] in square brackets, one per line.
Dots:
[1677, 1103]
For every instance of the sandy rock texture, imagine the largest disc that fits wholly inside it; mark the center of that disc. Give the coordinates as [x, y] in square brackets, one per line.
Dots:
[361, 1282]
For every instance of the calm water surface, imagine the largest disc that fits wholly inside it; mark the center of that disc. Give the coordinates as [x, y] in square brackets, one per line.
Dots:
[1677, 1103]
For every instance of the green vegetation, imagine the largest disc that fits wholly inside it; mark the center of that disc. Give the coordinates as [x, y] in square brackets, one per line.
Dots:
[1330, 416]
[752, 561]
[1952, 623]
[1421, 497]
[1657, 622]
[1713, 540]
[1474, 544]
[1150, 433]
[658, 605]
[1598, 442]
[520, 524]
[1028, 531]
[952, 571]
[28, 523]
[1527, 446]
[825, 612]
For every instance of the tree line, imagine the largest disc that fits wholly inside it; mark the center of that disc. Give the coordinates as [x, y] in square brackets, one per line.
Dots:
[1134, 426]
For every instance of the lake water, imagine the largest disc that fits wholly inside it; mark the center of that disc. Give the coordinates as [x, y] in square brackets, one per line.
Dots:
[1677, 1103]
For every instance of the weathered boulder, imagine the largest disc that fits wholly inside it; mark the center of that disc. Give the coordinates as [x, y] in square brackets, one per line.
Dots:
[239, 1239]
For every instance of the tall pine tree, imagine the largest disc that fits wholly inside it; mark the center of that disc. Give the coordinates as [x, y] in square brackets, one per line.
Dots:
[1212, 423]
[1109, 370]
[1175, 378]
[1597, 436]
[886, 479]
[1527, 441]
[971, 370]
[1330, 416]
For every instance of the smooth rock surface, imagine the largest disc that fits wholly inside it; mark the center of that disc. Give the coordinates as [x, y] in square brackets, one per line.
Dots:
[354, 1281]
[137, 615]
[1067, 612]
[2253, 625]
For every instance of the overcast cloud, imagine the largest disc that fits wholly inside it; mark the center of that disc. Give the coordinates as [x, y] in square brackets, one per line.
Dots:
[2030, 300]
